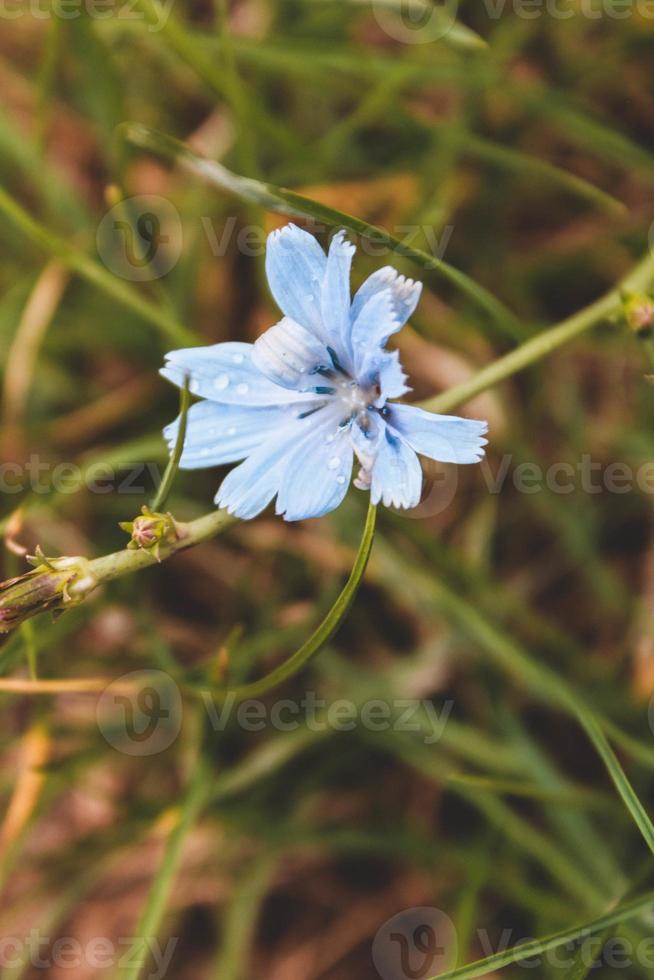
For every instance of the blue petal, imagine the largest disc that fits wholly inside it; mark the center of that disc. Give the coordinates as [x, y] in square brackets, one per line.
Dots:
[291, 356]
[295, 266]
[225, 373]
[391, 377]
[249, 488]
[336, 300]
[396, 473]
[317, 473]
[374, 324]
[384, 368]
[365, 438]
[217, 434]
[405, 293]
[447, 438]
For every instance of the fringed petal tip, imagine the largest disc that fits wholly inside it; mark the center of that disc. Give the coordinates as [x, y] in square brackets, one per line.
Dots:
[405, 292]
[446, 438]
[341, 243]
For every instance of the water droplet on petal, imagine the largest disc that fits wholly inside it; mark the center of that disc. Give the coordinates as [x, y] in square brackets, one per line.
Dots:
[221, 382]
[231, 431]
[237, 358]
[334, 463]
[340, 480]
[242, 389]
[330, 437]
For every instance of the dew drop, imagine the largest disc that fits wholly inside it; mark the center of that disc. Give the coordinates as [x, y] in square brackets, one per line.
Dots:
[334, 463]
[237, 358]
[231, 431]
[330, 437]
[221, 382]
[340, 480]
[242, 389]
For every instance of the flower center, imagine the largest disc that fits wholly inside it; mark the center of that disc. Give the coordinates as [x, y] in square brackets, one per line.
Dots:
[355, 400]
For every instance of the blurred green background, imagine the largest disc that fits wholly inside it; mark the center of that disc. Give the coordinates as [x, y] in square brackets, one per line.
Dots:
[516, 147]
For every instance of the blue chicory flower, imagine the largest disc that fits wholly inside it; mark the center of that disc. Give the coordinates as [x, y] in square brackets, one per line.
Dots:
[313, 392]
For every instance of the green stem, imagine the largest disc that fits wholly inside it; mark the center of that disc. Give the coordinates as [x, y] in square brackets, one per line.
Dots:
[322, 634]
[166, 484]
[119, 563]
[639, 279]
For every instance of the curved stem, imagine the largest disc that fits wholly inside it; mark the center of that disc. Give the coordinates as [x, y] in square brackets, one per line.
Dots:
[173, 463]
[321, 635]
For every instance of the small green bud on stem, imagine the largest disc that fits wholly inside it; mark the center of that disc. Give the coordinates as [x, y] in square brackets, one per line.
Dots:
[151, 530]
[639, 313]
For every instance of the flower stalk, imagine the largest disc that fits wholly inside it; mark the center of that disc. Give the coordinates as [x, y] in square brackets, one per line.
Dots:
[638, 279]
[57, 584]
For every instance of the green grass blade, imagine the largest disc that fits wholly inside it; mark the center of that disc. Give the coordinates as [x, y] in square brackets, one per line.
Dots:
[541, 848]
[239, 921]
[287, 202]
[482, 968]
[446, 29]
[155, 907]
[522, 163]
[580, 967]
[617, 774]
[92, 271]
[509, 655]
